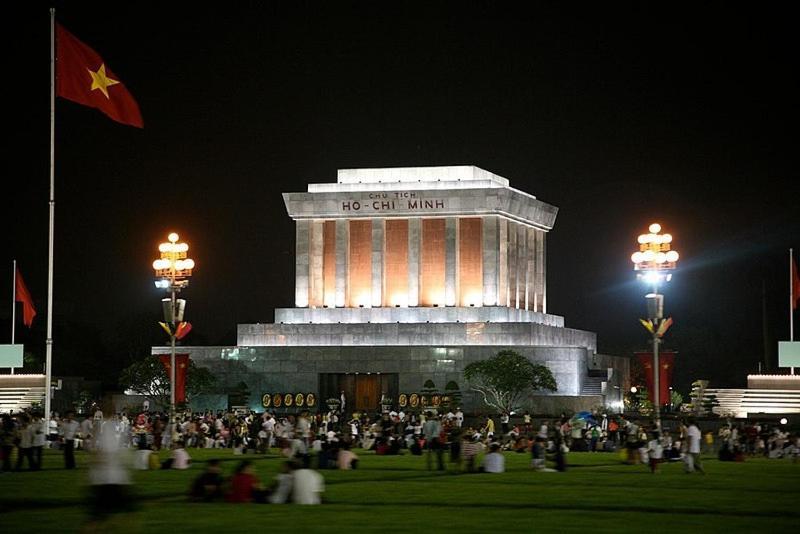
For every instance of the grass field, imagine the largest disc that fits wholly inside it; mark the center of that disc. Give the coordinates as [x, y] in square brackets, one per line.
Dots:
[596, 494]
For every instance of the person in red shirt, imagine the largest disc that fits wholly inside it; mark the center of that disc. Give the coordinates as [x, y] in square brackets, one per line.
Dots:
[245, 486]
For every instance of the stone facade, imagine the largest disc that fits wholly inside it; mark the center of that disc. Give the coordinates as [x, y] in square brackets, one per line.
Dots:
[410, 274]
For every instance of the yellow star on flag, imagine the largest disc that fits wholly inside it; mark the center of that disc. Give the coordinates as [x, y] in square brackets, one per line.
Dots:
[100, 80]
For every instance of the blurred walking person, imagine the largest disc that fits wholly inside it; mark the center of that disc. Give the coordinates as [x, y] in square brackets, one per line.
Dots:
[69, 427]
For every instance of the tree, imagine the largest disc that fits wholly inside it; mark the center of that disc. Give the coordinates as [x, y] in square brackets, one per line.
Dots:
[240, 395]
[453, 393]
[428, 391]
[504, 379]
[148, 377]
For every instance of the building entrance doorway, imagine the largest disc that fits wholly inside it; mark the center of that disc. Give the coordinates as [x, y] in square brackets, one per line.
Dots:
[362, 391]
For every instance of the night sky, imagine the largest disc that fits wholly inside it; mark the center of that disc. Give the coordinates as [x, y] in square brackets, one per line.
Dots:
[620, 115]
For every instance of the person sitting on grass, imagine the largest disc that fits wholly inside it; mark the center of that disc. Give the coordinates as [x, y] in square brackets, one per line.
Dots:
[208, 486]
[494, 462]
[347, 459]
[307, 485]
[179, 459]
[281, 488]
[522, 445]
[470, 448]
[245, 486]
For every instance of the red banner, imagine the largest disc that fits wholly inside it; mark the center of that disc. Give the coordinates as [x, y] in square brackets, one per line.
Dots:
[666, 361]
[182, 366]
[83, 77]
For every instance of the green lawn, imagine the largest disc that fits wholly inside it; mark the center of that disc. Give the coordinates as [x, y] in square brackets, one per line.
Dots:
[597, 493]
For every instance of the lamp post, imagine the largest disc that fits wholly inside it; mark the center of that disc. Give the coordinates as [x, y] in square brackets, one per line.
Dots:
[653, 262]
[172, 272]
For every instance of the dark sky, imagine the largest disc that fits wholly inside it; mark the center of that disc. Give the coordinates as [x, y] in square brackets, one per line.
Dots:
[620, 115]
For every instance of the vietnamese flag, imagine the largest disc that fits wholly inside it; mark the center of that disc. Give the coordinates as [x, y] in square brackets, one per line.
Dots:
[181, 369]
[666, 362]
[21, 294]
[83, 77]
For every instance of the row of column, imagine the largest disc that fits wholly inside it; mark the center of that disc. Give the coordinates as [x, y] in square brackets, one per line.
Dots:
[453, 261]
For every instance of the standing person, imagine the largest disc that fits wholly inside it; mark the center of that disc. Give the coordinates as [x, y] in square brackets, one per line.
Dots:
[504, 418]
[559, 454]
[69, 427]
[655, 452]
[526, 422]
[694, 436]
[613, 434]
[109, 479]
[455, 447]
[269, 429]
[87, 433]
[38, 440]
[431, 430]
[6, 442]
[459, 417]
[488, 429]
[594, 437]
[24, 444]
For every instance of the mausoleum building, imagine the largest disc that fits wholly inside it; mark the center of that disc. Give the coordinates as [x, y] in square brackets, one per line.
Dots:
[403, 276]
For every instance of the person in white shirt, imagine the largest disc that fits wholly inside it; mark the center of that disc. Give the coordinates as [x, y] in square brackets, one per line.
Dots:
[87, 433]
[494, 462]
[109, 478]
[693, 435]
[282, 487]
[180, 458]
[655, 451]
[269, 427]
[459, 416]
[24, 449]
[543, 431]
[38, 430]
[69, 427]
[307, 487]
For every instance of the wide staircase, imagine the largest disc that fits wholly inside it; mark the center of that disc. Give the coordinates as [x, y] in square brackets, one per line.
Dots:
[740, 402]
[18, 392]
[593, 385]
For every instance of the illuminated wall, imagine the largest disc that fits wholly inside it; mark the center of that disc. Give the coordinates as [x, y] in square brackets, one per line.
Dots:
[329, 263]
[432, 263]
[360, 264]
[470, 256]
[396, 263]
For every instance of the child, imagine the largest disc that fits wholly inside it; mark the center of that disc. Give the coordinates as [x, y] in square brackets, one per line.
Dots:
[537, 454]
[655, 451]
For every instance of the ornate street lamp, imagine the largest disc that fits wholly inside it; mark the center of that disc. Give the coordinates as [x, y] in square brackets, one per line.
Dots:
[653, 263]
[172, 273]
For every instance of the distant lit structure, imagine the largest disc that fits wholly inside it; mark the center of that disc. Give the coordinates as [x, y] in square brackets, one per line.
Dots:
[403, 277]
[172, 271]
[653, 263]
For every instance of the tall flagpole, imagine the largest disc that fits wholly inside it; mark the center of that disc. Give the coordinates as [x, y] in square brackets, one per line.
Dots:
[49, 358]
[13, 304]
[791, 298]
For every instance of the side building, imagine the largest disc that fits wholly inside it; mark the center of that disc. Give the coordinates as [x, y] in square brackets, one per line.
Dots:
[403, 277]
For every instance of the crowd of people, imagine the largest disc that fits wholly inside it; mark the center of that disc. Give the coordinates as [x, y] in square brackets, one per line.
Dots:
[329, 438]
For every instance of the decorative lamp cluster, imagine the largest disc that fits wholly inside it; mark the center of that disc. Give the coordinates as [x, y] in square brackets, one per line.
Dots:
[655, 255]
[173, 263]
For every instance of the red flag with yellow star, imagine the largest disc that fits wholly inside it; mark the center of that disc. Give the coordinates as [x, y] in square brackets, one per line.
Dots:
[83, 77]
[181, 369]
